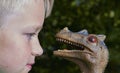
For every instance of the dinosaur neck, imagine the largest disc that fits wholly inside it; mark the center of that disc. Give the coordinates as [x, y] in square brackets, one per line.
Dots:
[87, 68]
[90, 69]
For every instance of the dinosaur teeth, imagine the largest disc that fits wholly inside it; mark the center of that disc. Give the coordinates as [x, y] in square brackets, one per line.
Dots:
[76, 45]
[82, 47]
[58, 39]
[70, 43]
[64, 40]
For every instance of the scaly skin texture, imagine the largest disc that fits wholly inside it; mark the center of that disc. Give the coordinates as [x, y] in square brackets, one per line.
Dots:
[91, 55]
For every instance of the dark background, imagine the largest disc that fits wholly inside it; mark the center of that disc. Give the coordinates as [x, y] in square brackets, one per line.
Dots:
[97, 16]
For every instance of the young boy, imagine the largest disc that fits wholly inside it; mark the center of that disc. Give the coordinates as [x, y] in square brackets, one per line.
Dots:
[20, 23]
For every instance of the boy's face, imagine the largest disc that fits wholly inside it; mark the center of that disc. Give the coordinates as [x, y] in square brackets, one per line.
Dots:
[19, 39]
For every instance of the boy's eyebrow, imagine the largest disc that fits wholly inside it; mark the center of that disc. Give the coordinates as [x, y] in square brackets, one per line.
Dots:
[33, 28]
[37, 29]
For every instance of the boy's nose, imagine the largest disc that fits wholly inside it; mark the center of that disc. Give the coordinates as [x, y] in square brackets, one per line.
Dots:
[36, 48]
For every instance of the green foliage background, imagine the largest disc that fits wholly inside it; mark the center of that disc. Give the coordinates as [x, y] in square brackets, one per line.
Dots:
[97, 16]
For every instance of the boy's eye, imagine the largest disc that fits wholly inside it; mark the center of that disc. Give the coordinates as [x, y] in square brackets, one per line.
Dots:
[30, 35]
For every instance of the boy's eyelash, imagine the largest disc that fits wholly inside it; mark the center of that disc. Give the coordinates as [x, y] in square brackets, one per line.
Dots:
[29, 35]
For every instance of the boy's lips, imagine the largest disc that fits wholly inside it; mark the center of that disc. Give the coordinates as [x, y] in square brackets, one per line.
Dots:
[29, 65]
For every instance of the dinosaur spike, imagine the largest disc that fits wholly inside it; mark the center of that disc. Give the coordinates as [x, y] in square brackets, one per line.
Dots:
[84, 31]
[101, 37]
[66, 28]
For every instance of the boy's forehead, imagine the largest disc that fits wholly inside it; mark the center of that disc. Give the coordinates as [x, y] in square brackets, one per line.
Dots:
[32, 17]
[36, 27]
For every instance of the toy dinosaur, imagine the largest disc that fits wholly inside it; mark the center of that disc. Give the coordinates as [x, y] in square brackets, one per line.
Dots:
[91, 53]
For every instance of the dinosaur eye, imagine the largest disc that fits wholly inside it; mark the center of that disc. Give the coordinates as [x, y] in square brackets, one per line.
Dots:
[92, 39]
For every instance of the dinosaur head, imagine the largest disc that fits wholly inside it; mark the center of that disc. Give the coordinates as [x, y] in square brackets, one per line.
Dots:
[90, 51]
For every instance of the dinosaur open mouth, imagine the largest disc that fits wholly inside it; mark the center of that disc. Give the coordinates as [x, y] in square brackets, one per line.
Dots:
[71, 45]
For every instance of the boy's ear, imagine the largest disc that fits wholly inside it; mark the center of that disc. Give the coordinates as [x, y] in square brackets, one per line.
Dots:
[48, 7]
[101, 37]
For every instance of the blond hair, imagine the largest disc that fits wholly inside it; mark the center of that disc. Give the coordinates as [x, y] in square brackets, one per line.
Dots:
[48, 7]
[10, 6]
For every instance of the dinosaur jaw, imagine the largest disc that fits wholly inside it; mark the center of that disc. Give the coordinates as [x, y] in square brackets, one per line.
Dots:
[66, 53]
[80, 55]
[76, 47]
[80, 52]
